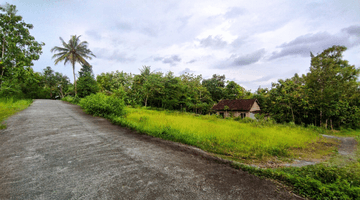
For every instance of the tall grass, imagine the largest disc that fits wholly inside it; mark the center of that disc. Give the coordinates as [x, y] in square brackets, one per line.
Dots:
[221, 136]
[10, 106]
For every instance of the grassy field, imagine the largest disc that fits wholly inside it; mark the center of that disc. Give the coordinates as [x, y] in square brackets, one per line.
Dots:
[243, 142]
[10, 106]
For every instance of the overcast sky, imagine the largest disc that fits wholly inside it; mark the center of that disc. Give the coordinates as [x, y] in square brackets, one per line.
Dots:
[253, 43]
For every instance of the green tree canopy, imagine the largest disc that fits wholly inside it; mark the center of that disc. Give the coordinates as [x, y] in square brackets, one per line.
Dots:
[18, 48]
[87, 84]
[331, 82]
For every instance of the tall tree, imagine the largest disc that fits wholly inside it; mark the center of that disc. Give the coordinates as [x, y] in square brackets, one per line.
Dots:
[74, 51]
[50, 80]
[331, 82]
[18, 47]
[86, 83]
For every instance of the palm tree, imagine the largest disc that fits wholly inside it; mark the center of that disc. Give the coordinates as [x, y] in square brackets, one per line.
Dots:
[74, 51]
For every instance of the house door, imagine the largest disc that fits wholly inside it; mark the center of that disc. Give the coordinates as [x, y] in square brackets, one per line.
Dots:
[242, 115]
[222, 114]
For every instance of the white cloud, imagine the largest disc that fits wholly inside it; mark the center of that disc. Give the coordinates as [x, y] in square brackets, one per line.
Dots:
[223, 37]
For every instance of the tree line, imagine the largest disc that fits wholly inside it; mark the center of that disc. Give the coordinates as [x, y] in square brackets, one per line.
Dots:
[328, 95]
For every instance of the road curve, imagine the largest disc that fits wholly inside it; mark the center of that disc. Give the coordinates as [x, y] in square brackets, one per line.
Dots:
[53, 150]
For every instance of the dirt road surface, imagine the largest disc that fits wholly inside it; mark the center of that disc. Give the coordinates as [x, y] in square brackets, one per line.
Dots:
[53, 150]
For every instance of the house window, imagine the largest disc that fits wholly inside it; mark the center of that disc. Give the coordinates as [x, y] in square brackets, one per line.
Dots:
[242, 115]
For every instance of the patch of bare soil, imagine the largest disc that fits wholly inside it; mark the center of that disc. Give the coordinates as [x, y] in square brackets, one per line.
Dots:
[53, 150]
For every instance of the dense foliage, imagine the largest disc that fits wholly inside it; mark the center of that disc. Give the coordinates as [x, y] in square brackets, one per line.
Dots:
[18, 50]
[188, 92]
[327, 96]
[86, 84]
[102, 105]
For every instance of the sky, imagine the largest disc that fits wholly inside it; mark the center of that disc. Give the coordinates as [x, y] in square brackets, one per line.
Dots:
[253, 43]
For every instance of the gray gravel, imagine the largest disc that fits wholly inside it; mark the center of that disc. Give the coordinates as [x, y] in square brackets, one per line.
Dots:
[348, 145]
[53, 150]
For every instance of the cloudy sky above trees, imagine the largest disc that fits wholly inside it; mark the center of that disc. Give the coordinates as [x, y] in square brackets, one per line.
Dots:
[253, 43]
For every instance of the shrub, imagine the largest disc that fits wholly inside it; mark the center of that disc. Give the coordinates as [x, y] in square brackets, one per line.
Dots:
[101, 105]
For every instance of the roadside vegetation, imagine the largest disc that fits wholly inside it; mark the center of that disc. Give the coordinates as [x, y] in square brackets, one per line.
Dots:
[10, 106]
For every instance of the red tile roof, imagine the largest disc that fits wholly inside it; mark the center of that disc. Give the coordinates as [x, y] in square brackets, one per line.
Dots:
[238, 104]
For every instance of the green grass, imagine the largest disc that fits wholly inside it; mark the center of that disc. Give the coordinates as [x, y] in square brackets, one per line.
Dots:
[10, 106]
[222, 136]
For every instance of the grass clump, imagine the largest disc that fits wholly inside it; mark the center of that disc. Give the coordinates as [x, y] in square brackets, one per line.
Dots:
[10, 106]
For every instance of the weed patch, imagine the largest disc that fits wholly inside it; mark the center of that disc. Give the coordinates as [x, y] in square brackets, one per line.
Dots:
[10, 106]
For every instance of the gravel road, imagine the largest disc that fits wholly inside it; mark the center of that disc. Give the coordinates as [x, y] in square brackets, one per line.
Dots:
[53, 150]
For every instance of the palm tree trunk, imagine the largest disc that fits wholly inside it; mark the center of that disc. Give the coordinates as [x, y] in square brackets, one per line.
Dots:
[2, 60]
[74, 77]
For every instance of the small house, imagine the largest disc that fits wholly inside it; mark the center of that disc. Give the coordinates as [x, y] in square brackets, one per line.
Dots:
[239, 107]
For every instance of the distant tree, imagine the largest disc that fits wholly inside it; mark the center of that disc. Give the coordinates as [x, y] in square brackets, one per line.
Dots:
[215, 86]
[87, 84]
[233, 91]
[74, 52]
[50, 80]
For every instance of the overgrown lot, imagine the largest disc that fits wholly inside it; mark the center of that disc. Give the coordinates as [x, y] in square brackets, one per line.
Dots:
[10, 106]
[241, 140]
[246, 141]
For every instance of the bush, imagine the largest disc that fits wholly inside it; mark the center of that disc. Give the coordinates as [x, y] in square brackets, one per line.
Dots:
[101, 105]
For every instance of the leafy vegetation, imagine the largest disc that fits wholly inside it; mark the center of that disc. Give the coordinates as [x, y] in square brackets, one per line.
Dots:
[10, 106]
[18, 50]
[327, 96]
[86, 83]
[102, 105]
